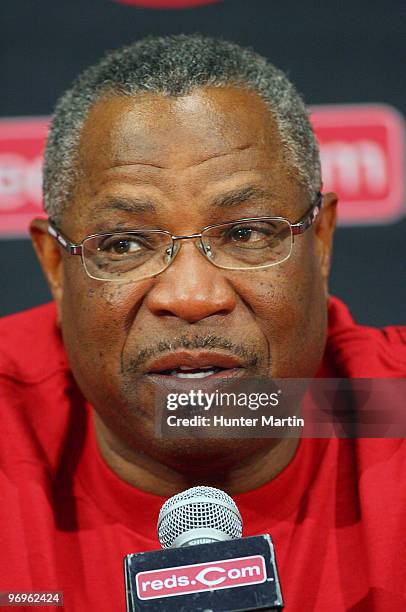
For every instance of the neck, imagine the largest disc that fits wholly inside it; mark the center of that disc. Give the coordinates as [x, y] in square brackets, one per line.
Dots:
[260, 463]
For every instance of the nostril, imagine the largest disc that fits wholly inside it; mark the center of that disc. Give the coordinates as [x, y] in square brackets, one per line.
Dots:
[163, 312]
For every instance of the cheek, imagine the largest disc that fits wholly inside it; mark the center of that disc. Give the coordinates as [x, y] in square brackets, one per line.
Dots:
[96, 317]
[290, 307]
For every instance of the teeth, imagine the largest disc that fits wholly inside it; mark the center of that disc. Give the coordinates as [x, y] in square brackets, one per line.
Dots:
[187, 368]
[192, 375]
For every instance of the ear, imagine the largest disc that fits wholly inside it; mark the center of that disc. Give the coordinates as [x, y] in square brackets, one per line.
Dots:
[49, 254]
[324, 231]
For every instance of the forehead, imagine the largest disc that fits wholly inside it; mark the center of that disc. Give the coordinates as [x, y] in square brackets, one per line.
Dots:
[177, 132]
[157, 154]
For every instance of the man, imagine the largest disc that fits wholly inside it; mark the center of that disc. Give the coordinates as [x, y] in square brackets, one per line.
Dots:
[189, 136]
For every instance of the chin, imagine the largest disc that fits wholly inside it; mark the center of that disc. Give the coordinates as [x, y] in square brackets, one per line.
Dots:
[200, 456]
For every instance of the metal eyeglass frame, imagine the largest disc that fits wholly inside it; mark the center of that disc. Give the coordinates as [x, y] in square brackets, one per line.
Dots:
[297, 228]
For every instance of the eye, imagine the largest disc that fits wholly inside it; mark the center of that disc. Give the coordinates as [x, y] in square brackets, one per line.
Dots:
[125, 246]
[122, 245]
[249, 233]
[241, 234]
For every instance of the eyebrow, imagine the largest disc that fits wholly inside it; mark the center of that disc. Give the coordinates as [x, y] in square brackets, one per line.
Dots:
[240, 195]
[125, 204]
[226, 200]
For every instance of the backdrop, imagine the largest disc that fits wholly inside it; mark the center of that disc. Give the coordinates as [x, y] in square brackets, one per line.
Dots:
[347, 59]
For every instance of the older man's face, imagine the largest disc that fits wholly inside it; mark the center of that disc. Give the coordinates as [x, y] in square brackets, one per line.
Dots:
[183, 156]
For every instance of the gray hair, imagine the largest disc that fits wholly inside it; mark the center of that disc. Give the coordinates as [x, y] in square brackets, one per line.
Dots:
[175, 66]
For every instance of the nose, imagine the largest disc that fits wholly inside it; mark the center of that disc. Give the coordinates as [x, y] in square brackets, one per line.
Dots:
[191, 288]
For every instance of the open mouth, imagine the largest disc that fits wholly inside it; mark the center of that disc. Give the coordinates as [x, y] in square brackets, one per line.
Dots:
[190, 373]
[195, 365]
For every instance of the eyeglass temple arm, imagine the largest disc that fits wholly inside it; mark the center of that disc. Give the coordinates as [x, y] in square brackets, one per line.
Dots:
[73, 249]
[309, 218]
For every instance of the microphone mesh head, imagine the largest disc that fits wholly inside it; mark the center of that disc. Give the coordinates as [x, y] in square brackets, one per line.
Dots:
[197, 508]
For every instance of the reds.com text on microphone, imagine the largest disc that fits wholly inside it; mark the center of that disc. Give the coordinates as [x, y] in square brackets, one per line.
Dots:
[200, 577]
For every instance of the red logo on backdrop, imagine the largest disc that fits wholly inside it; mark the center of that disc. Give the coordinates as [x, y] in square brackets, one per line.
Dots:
[166, 4]
[21, 150]
[362, 153]
[362, 158]
[184, 579]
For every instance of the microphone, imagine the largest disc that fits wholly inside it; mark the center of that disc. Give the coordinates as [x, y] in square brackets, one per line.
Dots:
[200, 515]
[205, 564]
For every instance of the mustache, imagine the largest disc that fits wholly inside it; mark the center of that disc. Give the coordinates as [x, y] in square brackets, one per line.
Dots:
[209, 341]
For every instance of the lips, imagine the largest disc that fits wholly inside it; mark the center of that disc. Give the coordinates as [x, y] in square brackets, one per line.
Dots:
[196, 365]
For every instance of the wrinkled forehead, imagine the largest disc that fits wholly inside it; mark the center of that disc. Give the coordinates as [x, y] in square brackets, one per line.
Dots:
[178, 132]
[159, 154]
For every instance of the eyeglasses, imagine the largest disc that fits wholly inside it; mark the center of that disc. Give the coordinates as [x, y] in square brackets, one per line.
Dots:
[244, 244]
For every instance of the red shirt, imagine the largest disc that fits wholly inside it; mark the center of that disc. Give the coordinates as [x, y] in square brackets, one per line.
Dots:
[336, 513]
